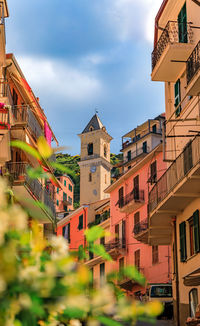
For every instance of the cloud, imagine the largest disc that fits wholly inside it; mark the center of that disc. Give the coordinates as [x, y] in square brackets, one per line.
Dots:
[133, 19]
[59, 78]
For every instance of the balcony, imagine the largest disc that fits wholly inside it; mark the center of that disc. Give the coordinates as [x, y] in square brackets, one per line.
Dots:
[140, 231]
[132, 201]
[139, 152]
[24, 117]
[173, 192]
[100, 218]
[27, 189]
[193, 72]
[4, 119]
[171, 52]
[129, 284]
[141, 134]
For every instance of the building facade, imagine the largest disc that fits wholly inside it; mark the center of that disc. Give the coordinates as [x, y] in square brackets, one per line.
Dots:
[174, 201]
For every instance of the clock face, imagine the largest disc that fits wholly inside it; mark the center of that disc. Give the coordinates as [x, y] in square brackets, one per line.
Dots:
[93, 169]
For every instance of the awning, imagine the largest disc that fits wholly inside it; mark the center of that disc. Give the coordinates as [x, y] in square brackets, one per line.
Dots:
[192, 279]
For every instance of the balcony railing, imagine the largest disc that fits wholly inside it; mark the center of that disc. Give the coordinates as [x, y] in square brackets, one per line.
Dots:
[134, 154]
[4, 118]
[141, 135]
[23, 114]
[134, 195]
[193, 63]
[141, 227]
[18, 173]
[115, 244]
[175, 173]
[170, 35]
[100, 218]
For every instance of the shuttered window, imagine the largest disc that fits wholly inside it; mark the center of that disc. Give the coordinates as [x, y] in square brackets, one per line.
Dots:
[121, 197]
[137, 258]
[177, 97]
[129, 155]
[187, 156]
[196, 231]
[183, 247]
[153, 172]
[80, 225]
[182, 25]
[124, 234]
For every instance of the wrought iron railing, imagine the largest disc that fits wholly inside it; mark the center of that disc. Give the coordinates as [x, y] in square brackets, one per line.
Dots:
[175, 173]
[141, 226]
[100, 218]
[115, 244]
[23, 114]
[134, 195]
[142, 134]
[17, 172]
[172, 33]
[193, 63]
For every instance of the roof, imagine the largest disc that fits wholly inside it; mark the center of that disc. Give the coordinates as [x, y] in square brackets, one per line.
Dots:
[68, 217]
[95, 123]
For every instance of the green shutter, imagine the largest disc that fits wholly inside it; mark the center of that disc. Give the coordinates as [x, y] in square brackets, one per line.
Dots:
[177, 97]
[183, 248]
[182, 25]
[196, 231]
[80, 225]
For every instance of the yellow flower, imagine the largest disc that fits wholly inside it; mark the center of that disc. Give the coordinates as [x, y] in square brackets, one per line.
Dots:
[154, 308]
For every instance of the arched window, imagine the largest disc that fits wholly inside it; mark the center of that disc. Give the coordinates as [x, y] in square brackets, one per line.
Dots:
[90, 149]
[193, 301]
[91, 128]
[105, 150]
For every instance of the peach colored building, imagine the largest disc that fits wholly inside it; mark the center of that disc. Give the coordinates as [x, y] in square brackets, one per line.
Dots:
[64, 197]
[129, 221]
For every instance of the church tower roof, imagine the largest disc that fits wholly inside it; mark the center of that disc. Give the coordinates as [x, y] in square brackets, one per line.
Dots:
[94, 124]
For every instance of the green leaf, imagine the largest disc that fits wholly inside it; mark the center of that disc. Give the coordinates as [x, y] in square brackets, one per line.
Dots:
[108, 321]
[94, 233]
[60, 167]
[132, 273]
[37, 173]
[72, 312]
[81, 253]
[26, 148]
[99, 250]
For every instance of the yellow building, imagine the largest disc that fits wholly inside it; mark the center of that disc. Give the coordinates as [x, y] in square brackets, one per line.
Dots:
[174, 202]
[95, 162]
[22, 118]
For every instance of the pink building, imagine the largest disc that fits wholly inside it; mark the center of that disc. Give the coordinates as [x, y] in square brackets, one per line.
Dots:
[64, 198]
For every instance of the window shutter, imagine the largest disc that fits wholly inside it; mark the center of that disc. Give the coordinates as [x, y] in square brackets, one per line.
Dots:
[80, 225]
[182, 25]
[196, 231]
[177, 97]
[183, 248]
[123, 234]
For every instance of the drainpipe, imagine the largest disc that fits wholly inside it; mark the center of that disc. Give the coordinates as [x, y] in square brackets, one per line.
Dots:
[177, 274]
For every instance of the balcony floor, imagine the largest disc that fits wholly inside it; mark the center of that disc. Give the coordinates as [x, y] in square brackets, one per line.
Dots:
[132, 206]
[165, 69]
[193, 88]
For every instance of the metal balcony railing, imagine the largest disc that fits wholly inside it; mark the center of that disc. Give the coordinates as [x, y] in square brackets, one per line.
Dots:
[17, 173]
[134, 195]
[115, 244]
[141, 227]
[142, 134]
[188, 159]
[193, 63]
[172, 33]
[23, 114]
[99, 218]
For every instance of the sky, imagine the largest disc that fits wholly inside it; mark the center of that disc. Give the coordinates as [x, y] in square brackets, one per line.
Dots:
[84, 55]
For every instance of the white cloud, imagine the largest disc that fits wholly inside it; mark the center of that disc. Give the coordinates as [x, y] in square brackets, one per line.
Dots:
[58, 78]
[133, 18]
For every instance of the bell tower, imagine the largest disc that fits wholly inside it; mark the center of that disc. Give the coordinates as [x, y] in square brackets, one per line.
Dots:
[95, 162]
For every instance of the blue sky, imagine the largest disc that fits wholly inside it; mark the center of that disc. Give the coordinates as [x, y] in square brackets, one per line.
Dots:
[82, 55]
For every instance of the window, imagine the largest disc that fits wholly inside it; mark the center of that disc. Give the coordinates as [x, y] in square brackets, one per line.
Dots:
[137, 258]
[57, 202]
[91, 128]
[102, 273]
[105, 150]
[194, 233]
[154, 129]
[102, 241]
[70, 187]
[187, 157]
[66, 232]
[80, 225]
[69, 199]
[64, 196]
[136, 187]
[65, 208]
[144, 147]
[121, 197]
[90, 177]
[57, 190]
[123, 234]
[182, 25]
[182, 235]
[116, 232]
[136, 227]
[129, 167]
[90, 149]
[193, 301]
[121, 264]
[129, 155]
[153, 177]
[154, 255]
[65, 183]
[15, 97]
[177, 97]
